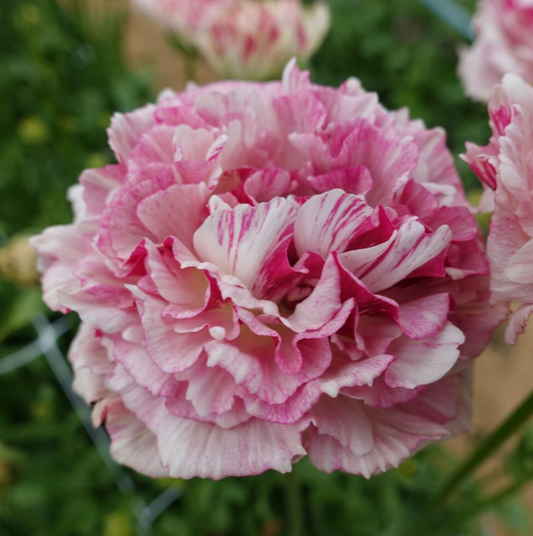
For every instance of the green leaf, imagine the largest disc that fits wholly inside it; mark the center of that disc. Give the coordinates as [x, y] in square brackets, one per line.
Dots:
[27, 304]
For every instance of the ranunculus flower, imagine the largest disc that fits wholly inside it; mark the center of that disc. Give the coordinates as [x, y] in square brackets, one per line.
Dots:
[506, 166]
[270, 271]
[504, 44]
[254, 40]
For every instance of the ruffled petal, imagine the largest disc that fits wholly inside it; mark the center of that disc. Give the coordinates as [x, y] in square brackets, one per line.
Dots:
[330, 222]
[411, 249]
[395, 435]
[426, 361]
[132, 444]
[251, 244]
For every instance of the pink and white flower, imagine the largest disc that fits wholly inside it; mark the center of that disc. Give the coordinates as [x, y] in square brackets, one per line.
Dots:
[504, 44]
[254, 40]
[244, 39]
[506, 167]
[272, 271]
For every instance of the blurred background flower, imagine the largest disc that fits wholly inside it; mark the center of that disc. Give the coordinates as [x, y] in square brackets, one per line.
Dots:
[17, 262]
[243, 39]
[254, 40]
[184, 18]
[505, 168]
[503, 44]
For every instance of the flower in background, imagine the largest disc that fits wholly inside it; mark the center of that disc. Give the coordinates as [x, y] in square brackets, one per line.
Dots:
[183, 17]
[244, 39]
[504, 44]
[254, 40]
[272, 271]
[17, 262]
[505, 166]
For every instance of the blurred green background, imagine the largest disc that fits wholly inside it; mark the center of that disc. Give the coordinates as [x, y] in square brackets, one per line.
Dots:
[64, 71]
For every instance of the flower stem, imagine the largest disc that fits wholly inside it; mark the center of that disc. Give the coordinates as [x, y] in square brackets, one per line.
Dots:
[497, 498]
[189, 54]
[490, 445]
[190, 67]
[295, 512]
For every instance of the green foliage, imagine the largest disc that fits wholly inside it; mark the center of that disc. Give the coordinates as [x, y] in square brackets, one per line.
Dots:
[63, 75]
[25, 304]
[334, 504]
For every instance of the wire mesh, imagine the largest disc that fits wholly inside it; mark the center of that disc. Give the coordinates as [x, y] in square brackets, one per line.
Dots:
[452, 14]
[47, 344]
[35, 349]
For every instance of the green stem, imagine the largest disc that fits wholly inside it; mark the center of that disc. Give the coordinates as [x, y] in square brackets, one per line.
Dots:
[190, 67]
[295, 512]
[189, 54]
[497, 497]
[493, 476]
[491, 444]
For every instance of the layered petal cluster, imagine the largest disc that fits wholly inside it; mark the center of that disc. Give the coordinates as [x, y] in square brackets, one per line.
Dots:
[272, 271]
[245, 39]
[504, 44]
[506, 168]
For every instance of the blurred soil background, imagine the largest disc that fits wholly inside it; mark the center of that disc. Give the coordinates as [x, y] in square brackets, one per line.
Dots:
[148, 49]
